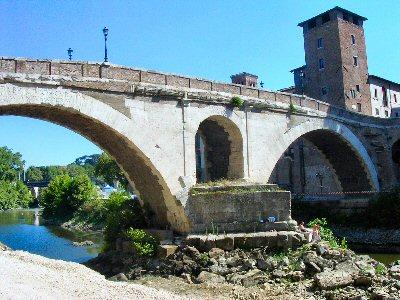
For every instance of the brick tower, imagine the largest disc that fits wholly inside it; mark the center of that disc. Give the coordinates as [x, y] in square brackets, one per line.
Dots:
[336, 69]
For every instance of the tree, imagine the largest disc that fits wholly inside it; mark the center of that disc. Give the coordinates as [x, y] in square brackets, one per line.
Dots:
[108, 169]
[11, 164]
[14, 195]
[34, 174]
[65, 195]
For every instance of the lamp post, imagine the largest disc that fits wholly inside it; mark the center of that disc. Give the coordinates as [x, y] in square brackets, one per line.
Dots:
[320, 176]
[70, 53]
[105, 33]
[262, 84]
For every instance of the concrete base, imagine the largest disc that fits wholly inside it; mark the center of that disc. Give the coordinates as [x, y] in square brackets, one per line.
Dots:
[272, 239]
[238, 207]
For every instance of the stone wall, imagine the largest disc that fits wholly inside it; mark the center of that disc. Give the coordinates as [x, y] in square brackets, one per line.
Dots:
[237, 209]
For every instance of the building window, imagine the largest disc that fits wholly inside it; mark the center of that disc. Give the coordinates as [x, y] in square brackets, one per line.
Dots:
[321, 64]
[376, 112]
[353, 93]
[397, 114]
[386, 113]
[358, 88]
[320, 43]
[376, 93]
[353, 39]
[395, 98]
[355, 61]
[359, 107]
[324, 90]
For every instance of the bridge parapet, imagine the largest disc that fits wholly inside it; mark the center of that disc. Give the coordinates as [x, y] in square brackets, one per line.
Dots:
[122, 75]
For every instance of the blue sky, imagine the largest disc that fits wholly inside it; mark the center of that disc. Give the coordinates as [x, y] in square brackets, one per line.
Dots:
[210, 39]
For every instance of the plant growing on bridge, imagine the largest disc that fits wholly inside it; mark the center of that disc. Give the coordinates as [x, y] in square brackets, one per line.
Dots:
[143, 243]
[292, 108]
[237, 102]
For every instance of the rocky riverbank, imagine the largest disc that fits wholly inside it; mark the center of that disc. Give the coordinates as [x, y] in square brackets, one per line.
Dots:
[311, 272]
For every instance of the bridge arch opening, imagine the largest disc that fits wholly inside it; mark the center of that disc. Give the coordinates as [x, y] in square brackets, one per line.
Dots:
[219, 150]
[107, 128]
[321, 162]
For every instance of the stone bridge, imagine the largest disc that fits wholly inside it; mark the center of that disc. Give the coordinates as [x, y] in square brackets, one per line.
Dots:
[168, 132]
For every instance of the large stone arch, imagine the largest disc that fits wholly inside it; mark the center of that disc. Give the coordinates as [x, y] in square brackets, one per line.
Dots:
[219, 149]
[108, 128]
[353, 155]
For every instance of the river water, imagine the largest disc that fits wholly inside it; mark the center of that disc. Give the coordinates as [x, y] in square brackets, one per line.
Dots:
[22, 230]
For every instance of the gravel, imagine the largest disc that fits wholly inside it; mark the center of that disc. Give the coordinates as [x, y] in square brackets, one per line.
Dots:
[28, 276]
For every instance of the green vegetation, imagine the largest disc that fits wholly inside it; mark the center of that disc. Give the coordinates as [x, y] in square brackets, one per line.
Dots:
[107, 169]
[143, 243]
[292, 108]
[65, 195]
[327, 234]
[13, 193]
[237, 102]
[122, 214]
[84, 165]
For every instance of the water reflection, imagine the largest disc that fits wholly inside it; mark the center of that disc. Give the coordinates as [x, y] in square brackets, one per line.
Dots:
[21, 230]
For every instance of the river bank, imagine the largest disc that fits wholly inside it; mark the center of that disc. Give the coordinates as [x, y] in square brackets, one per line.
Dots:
[313, 271]
[28, 276]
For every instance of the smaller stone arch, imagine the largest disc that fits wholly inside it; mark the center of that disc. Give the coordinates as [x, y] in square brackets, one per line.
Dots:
[219, 150]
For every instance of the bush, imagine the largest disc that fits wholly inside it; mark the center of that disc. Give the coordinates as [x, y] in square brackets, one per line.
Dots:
[123, 213]
[143, 243]
[237, 101]
[14, 195]
[327, 234]
[65, 195]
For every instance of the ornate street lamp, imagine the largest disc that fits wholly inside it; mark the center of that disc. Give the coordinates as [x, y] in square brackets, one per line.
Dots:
[105, 32]
[70, 53]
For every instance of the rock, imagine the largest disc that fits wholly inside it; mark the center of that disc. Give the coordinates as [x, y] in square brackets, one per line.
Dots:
[218, 269]
[4, 247]
[296, 275]
[233, 261]
[186, 278]
[253, 277]
[83, 244]
[118, 277]
[225, 243]
[278, 273]
[207, 277]
[248, 264]
[235, 278]
[191, 252]
[215, 252]
[329, 280]
[381, 296]
[363, 281]
[321, 250]
[267, 264]
[312, 268]
[165, 251]
[394, 271]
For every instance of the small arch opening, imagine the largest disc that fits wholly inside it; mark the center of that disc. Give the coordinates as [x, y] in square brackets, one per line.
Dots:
[219, 150]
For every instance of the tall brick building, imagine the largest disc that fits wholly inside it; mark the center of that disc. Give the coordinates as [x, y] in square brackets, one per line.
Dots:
[336, 69]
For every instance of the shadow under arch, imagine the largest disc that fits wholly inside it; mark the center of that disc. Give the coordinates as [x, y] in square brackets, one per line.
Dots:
[396, 158]
[219, 150]
[105, 127]
[343, 152]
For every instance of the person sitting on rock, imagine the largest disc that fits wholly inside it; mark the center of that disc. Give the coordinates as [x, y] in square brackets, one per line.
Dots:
[315, 234]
